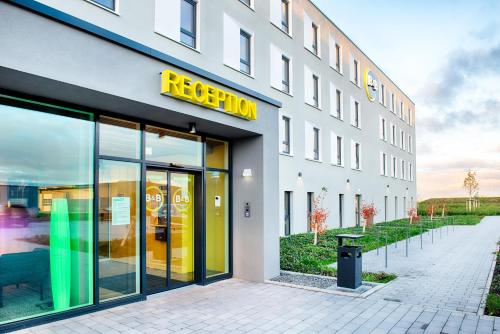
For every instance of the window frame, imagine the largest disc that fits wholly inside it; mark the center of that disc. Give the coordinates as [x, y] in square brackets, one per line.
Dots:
[287, 134]
[286, 75]
[339, 108]
[315, 90]
[316, 144]
[248, 36]
[285, 26]
[193, 35]
[315, 39]
[340, 150]
[116, 9]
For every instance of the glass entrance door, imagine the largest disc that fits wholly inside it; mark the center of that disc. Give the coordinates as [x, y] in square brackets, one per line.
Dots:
[170, 229]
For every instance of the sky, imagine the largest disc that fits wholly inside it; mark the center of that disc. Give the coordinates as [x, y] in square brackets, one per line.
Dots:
[446, 56]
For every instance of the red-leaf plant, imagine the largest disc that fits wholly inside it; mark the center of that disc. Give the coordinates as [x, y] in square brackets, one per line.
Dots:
[318, 215]
[413, 215]
[368, 211]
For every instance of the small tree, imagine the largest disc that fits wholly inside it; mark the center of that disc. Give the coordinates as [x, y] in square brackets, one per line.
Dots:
[413, 215]
[368, 211]
[444, 209]
[318, 216]
[472, 187]
[430, 210]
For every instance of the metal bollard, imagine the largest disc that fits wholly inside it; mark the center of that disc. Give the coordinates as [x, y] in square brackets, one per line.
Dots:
[386, 250]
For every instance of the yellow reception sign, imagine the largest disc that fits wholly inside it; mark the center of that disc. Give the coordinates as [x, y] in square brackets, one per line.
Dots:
[183, 87]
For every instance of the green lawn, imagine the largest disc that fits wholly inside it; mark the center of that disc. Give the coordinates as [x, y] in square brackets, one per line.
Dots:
[297, 253]
[493, 300]
[490, 206]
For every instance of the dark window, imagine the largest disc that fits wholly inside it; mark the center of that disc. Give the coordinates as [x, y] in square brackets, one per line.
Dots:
[315, 38]
[339, 150]
[357, 156]
[356, 78]
[288, 197]
[384, 167]
[286, 135]
[341, 209]
[357, 209]
[404, 206]
[110, 4]
[339, 104]
[188, 23]
[286, 74]
[396, 207]
[316, 90]
[337, 57]
[386, 204]
[382, 91]
[356, 114]
[310, 199]
[285, 15]
[316, 143]
[244, 52]
[384, 136]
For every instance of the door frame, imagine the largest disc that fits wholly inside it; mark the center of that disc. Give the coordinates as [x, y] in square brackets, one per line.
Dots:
[199, 242]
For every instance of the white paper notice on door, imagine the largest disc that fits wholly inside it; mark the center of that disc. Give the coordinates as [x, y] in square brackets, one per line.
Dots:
[120, 211]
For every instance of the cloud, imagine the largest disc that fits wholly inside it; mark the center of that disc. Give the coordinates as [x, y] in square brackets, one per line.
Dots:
[486, 113]
[462, 66]
[458, 164]
[486, 33]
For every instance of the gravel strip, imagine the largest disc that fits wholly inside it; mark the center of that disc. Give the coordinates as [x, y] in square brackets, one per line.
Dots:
[306, 280]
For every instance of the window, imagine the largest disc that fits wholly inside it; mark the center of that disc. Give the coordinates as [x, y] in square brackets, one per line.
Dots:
[382, 94]
[119, 138]
[188, 22]
[245, 52]
[339, 151]
[356, 114]
[383, 164]
[286, 135]
[310, 199]
[395, 207]
[285, 15]
[410, 172]
[355, 72]
[316, 154]
[216, 154]
[217, 230]
[393, 103]
[285, 74]
[109, 4]
[315, 41]
[402, 140]
[410, 144]
[338, 109]
[46, 215]
[315, 87]
[393, 134]
[337, 57]
[357, 156]
[357, 209]
[394, 172]
[383, 132]
[401, 108]
[288, 212]
[341, 210]
[403, 170]
[386, 207]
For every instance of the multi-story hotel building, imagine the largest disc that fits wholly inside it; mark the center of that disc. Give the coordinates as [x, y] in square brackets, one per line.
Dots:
[148, 145]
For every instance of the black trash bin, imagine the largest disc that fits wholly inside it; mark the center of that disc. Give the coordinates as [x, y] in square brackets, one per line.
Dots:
[349, 262]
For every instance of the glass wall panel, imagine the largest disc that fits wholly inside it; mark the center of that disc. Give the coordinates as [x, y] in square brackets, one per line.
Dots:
[182, 227]
[119, 228]
[173, 147]
[119, 138]
[217, 154]
[217, 223]
[46, 196]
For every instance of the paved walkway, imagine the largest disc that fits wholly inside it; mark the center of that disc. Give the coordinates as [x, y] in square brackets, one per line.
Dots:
[450, 273]
[236, 306]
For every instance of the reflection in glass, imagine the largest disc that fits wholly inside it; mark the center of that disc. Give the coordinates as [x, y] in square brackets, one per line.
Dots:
[118, 138]
[182, 227]
[156, 230]
[46, 182]
[217, 223]
[173, 147]
[217, 154]
[119, 216]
